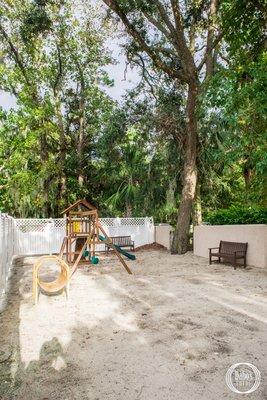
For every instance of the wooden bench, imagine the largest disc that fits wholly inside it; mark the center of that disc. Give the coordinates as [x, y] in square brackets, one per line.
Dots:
[121, 241]
[230, 251]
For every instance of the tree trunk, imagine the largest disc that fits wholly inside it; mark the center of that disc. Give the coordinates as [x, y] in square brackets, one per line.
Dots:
[62, 181]
[46, 182]
[81, 142]
[210, 59]
[198, 207]
[180, 237]
[170, 194]
[61, 195]
[128, 209]
[129, 202]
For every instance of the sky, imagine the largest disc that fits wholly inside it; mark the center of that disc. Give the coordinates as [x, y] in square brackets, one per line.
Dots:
[116, 72]
[6, 100]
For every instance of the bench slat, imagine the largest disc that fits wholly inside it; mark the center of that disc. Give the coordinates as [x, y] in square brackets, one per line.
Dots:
[122, 241]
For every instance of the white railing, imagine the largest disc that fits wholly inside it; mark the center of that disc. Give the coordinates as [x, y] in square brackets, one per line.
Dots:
[7, 249]
[45, 236]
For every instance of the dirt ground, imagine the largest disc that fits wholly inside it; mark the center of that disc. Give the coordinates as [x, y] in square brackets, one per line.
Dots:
[170, 331]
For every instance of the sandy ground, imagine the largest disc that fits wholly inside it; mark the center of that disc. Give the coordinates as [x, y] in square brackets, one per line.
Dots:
[169, 331]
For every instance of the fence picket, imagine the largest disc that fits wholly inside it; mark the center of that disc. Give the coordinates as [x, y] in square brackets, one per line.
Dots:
[7, 249]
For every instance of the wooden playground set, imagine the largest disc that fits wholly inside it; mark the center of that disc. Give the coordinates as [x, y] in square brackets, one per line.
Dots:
[83, 233]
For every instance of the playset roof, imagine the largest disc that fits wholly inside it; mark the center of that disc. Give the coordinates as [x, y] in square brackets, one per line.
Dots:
[84, 203]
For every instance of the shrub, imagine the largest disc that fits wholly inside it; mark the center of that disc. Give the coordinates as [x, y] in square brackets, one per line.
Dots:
[237, 215]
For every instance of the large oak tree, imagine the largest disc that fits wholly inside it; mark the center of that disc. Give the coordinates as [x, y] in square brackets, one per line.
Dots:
[180, 39]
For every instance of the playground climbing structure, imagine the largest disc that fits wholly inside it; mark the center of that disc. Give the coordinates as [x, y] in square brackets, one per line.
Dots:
[83, 233]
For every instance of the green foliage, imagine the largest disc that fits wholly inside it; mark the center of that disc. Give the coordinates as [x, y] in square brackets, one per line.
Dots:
[66, 139]
[243, 22]
[237, 215]
[36, 21]
[132, 164]
[233, 136]
[56, 73]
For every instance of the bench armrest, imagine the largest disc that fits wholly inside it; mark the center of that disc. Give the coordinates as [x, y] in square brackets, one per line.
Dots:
[213, 248]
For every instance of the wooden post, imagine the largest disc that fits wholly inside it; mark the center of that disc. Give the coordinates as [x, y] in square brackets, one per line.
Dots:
[75, 265]
[35, 286]
[94, 239]
[69, 249]
[63, 247]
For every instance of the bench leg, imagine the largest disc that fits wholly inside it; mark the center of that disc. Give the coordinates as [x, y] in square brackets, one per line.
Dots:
[245, 262]
[235, 264]
[210, 260]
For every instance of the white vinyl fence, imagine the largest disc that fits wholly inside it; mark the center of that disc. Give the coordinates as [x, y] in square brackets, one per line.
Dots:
[7, 248]
[45, 236]
[39, 236]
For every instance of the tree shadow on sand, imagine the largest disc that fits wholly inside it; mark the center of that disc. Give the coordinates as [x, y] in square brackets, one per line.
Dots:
[73, 371]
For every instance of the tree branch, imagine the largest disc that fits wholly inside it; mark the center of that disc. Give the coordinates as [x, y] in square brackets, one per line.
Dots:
[177, 35]
[209, 50]
[186, 56]
[210, 56]
[157, 24]
[169, 34]
[59, 73]
[131, 29]
[15, 54]
[144, 75]
[164, 15]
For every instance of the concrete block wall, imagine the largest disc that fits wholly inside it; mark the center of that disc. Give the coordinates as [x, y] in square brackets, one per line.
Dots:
[206, 236]
[163, 235]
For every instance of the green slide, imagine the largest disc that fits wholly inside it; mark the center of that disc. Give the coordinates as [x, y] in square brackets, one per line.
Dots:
[120, 250]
